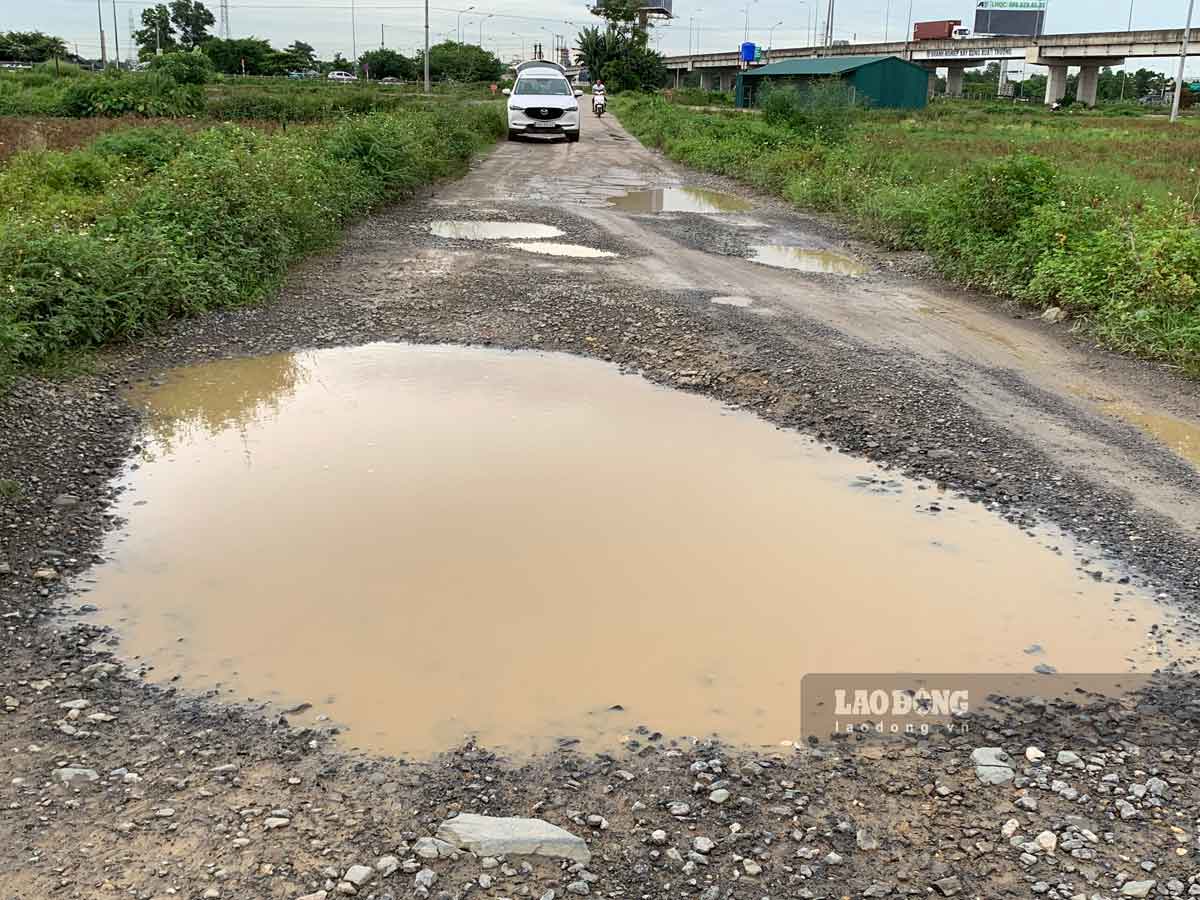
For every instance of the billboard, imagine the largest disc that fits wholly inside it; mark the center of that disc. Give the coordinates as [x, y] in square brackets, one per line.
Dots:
[1018, 17]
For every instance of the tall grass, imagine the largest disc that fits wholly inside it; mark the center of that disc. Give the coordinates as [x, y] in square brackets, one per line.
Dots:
[102, 243]
[1098, 216]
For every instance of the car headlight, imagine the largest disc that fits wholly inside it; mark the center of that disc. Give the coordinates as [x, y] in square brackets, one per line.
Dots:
[515, 108]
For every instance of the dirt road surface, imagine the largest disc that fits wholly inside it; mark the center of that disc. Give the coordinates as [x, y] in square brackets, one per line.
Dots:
[113, 786]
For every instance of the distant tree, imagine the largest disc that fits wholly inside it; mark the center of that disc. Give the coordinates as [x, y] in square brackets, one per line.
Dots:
[620, 52]
[452, 61]
[301, 55]
[251, 56]
[192, 18]
[339, 63]
[156, 31]
[384, 63]
[30, 46]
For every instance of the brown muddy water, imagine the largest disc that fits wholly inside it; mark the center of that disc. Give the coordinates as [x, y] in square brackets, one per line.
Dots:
[681, 199]
[1182, 437]
[492, 231]
[805, 259]
[425, 542]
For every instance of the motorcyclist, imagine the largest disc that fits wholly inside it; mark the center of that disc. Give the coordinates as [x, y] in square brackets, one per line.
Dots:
[598, 95]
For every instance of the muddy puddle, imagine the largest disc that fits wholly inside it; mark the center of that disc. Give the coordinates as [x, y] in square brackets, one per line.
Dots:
[553, 248]
[1182, 437]
[826, 262]
[492, 231]
[680, 199]
[426, 542]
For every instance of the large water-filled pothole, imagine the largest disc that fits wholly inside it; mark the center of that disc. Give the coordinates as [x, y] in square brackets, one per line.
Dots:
[425, 542]
[681, 199]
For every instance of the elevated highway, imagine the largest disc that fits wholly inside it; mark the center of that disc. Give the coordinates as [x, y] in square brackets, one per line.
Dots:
[1089, 52]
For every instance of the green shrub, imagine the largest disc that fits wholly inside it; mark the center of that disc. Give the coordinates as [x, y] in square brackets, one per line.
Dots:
[822, 111]
[117, 93]
[210, 220]
[184, 68]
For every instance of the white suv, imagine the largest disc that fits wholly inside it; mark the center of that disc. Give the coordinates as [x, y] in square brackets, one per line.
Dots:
[542, 102]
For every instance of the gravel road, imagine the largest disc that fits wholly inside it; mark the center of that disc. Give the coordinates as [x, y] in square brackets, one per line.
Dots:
[110, 786]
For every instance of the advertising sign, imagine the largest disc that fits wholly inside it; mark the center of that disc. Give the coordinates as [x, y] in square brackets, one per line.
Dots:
[1016, 17]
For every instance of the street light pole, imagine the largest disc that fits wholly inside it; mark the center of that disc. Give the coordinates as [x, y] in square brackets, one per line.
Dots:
[460, 14]
[1183, 51]
[771, 35]
[353, 37]
[427, 46]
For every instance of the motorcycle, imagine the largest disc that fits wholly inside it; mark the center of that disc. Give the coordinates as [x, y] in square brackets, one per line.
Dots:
[599, 103]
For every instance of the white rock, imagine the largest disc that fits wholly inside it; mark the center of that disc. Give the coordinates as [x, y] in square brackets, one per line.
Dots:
[751, 867]
[658, 836]
[425, 878]
[703, 844]
[1137, 888]
[76, 777]
[1033, 754]
[1048, 841]
[358, 875]
[276, 822]
[1009, 828]
[720, 795]
[387, 865]
[498, 836]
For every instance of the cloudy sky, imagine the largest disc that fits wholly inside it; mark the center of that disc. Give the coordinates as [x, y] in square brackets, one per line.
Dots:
[510, 27]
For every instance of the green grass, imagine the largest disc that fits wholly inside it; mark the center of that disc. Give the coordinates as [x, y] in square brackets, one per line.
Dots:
[9, 489]
[78, 94]
[1096, 214]
[104, 242]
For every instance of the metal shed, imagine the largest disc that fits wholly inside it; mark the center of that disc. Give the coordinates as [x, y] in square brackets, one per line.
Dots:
[880, 81]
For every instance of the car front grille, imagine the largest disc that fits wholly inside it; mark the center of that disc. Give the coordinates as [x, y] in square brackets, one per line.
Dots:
[543, 113]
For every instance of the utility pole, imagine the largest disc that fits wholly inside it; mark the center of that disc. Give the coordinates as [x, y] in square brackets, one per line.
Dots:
[427, 46]
[380, 35]
[1125, 67]
[908, 34]
[353, 37]
[103, 49]
[1183, 51]
[887, 19]
[116, 35]
[829, 25]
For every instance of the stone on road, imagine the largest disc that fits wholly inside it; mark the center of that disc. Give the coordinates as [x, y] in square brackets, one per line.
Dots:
[501, 835]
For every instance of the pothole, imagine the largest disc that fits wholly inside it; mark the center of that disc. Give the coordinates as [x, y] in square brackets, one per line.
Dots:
[1182, 437]
[425, 542]
[552, 248]
[681, 199]
[492, 231]
[827, 262]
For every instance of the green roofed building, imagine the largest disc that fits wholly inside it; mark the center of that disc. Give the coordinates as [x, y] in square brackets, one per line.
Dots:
[878, 81]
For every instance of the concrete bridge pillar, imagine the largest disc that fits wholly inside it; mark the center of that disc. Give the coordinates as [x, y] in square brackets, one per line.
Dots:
[1056, 84]
[1085, 87]
[954, 81]
[932, 89]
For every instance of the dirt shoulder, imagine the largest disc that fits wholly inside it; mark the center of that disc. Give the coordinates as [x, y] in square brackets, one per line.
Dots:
[196, 799]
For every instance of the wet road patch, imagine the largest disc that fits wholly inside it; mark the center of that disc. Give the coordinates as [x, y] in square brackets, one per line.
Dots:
[554, 248]
[466, 230]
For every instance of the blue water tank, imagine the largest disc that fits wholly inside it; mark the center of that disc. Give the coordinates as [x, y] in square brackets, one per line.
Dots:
[748, 52]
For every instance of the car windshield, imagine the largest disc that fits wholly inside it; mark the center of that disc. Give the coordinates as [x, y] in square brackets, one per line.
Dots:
[543, 86]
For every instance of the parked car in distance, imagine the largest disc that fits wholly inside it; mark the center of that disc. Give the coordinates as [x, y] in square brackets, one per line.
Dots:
[304, 73]
[391, 79]
[341, 76]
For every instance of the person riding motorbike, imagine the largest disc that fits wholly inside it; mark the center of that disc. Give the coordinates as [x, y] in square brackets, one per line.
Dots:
[598, 96]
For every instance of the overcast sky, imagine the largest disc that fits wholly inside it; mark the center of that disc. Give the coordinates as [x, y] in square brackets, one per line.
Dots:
[514, 25]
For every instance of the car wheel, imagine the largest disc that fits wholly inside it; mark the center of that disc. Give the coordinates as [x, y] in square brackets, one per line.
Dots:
[512, 135]
[572, 136]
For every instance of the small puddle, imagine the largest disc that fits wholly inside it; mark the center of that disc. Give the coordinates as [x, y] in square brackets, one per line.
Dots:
[732, 300]
[425, 542]
[551, 248]
[493, 231]
[1182, 437]
[693, 200]
[827, 262]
